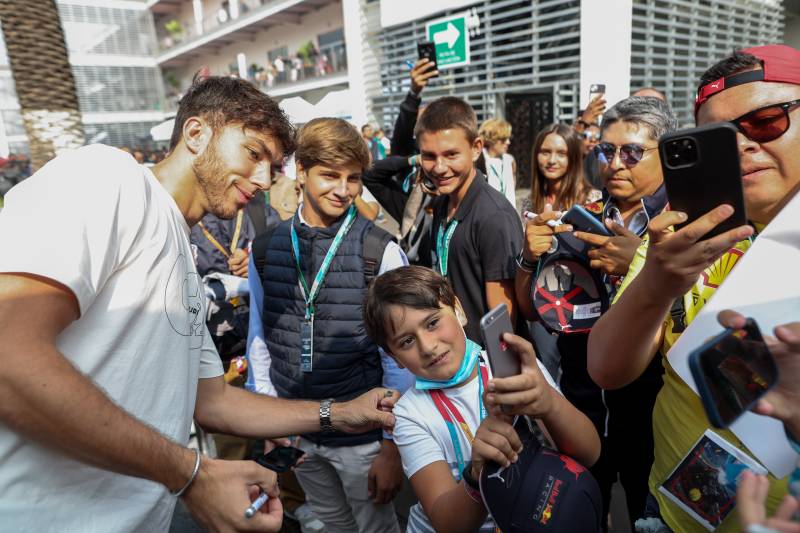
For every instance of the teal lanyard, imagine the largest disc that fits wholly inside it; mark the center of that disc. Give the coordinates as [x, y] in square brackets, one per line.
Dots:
[499, 179]
[310, 296]
[443, 236]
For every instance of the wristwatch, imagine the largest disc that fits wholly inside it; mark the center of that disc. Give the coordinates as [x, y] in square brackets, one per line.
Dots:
[325, 423]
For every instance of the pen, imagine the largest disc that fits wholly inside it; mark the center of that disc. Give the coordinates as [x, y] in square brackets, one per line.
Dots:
[552, 223]
[409, 63]
[256, 505]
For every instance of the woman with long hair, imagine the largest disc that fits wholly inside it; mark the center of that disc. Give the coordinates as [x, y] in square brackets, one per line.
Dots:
[557, 171]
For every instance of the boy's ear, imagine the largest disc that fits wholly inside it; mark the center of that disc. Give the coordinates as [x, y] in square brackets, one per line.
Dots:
[477, 148]
[301, 174]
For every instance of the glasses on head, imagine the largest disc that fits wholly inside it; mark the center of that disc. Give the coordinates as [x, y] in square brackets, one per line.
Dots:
[630, 154]
[766, 123]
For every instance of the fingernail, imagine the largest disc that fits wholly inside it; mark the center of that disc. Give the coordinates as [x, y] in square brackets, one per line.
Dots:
[514, 458]
[725, 210]
[491, 386]
[681, 215]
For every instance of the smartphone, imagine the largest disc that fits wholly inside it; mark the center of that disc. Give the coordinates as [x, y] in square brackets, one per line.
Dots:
[503, 362]
[732, 371]
[701, 172]
[281, 459]
[582, 220]
[428, 183]
[595, 89]
[427, 50]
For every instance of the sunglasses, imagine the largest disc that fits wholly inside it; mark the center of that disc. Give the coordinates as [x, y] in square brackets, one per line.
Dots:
[590, 136]
[766, 123]
[630, 154]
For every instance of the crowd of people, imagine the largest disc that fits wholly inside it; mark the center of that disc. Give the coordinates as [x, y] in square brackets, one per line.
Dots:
[126, 320]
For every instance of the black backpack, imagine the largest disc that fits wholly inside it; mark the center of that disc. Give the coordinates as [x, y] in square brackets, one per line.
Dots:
[567, 293]
[375, 242]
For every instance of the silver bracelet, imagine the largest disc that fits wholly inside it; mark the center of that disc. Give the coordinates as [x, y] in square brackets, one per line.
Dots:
[183, 489]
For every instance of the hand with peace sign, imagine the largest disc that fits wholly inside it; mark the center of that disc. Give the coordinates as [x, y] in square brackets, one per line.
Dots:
[675, 259]
[612, 255]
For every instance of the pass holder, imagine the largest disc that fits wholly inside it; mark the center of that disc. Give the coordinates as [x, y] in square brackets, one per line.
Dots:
[307, 344]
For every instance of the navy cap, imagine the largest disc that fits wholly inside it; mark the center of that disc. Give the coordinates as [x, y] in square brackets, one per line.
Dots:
[544, 491]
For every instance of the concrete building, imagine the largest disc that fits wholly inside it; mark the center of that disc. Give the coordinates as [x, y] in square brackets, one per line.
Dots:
[112, 50]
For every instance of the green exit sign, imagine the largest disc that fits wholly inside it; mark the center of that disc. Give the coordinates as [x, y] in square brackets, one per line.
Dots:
[451, 37]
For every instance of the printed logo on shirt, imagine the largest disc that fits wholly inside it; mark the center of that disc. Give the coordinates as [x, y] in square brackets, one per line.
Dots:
[183, 302]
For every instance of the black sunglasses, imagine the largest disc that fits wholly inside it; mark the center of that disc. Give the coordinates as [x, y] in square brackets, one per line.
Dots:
[766, 123]
[630, 154]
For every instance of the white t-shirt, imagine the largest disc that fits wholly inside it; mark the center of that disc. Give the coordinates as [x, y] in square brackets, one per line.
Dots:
[101, 224]
[500, 175]
[422, 437]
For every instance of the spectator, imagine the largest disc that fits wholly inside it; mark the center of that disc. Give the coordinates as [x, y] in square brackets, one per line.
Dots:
[557, 172]
[105, 356]
[368, 134]
[307, 340]
[500, 167]
[476, 232]
[635, 194]
[591, 167]
[663, 292]
[413, 313]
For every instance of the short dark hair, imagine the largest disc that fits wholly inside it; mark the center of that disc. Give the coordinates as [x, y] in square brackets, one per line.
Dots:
[654, 114]
[223, 100]
[737, 62]
[330, 141]
[409, 286]
[448, 113]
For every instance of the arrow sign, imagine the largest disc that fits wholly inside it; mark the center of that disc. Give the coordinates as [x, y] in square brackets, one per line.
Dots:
[449, 36]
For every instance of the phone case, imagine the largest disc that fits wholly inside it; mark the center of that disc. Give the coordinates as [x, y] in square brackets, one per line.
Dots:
[582, 220]
[503, 362]
[427, 50]
[714, 179]
[700, 381]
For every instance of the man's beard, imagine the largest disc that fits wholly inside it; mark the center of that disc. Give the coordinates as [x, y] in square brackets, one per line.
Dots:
[210, 174]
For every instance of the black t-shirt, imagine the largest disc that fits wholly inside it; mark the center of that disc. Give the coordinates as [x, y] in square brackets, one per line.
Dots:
[483, 248]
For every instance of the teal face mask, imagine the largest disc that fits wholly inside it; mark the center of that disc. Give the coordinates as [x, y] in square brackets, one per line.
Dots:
[471, 354]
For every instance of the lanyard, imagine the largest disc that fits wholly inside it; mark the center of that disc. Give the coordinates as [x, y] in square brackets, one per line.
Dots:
[452, 417]
[311, 295]
[443, 237]
[234, 240]
[499, 177]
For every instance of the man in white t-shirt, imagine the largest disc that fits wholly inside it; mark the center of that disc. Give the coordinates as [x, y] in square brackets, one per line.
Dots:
[105, 354]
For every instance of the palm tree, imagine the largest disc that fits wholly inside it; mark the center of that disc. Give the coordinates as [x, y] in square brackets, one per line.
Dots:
[43, 77]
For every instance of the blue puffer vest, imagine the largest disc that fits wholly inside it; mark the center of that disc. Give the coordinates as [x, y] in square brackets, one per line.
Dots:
[346, 361]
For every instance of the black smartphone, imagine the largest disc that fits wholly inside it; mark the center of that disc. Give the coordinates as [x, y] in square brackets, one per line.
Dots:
[281, 458]
[732, 371]
[427, 50]
[502, 360]
[582, 220]
[701, 172]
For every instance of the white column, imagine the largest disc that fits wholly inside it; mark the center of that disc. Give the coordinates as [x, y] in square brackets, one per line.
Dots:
[355, 41]
[197, 7]
[606, 48]
[4, 150]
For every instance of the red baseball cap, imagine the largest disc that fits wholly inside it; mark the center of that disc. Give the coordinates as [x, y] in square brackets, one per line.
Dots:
[779, 63]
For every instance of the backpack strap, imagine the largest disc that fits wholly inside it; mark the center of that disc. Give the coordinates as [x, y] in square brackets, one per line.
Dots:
[375, 242]
[259, 250]
[678, 314]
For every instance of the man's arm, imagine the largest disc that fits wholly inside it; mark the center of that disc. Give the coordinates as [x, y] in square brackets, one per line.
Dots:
[403, 133]
[46, 400]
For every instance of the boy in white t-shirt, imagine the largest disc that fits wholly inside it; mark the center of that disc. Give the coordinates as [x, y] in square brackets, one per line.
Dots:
[414, 315]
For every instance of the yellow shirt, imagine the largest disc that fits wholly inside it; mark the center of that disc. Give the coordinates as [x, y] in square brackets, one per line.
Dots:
[679, 419]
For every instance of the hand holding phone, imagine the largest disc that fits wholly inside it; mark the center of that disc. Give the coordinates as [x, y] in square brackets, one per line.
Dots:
[427, 50]
[732, 372]
[503, 362]
[580, 219]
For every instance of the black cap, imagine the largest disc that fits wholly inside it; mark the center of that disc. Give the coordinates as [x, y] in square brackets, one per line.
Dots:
[544, 491]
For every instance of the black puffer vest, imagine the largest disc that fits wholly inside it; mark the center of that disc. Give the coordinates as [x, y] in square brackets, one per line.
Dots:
[346, 361]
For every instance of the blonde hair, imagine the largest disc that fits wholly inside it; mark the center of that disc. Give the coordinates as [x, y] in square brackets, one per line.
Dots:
[493, 130]
[331, 141]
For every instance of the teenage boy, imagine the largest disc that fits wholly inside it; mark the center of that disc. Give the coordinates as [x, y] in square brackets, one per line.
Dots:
[757, 90]
[476, 232]
[413, 314]
[106, 359]
[634, 194]
[308, 280]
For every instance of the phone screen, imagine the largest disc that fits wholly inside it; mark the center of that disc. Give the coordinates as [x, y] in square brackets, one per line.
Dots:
[738, 370]
[281, 459]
